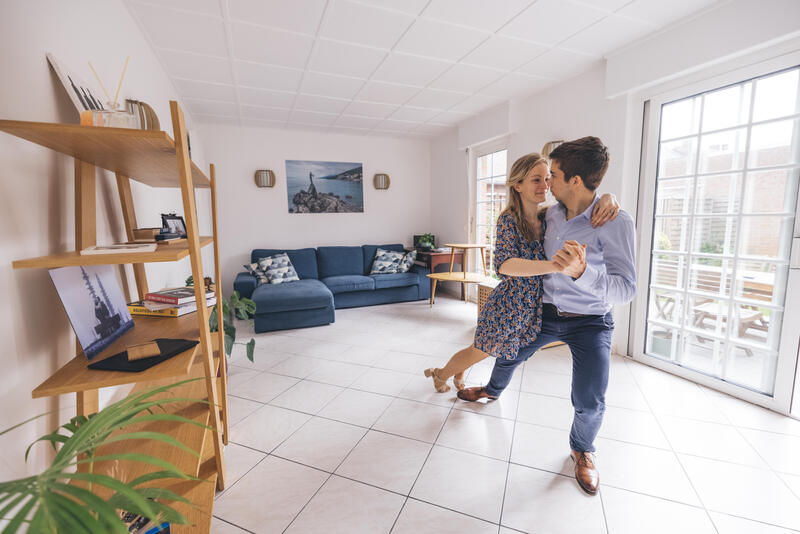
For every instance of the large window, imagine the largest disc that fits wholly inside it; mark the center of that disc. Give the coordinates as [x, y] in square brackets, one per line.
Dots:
[490, 198]
[725, 201]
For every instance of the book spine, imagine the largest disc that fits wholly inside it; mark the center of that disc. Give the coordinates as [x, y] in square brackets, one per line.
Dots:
[141, 310]
[155, 297]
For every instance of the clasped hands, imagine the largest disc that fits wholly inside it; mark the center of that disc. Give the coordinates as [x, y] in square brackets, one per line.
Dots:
[570, 259]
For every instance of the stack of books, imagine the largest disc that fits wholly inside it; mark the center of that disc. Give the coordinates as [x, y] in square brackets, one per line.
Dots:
[172, 302]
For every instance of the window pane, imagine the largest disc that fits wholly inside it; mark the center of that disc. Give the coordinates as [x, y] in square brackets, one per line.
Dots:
[677, 158]
[752, 368]
[665, 306]
[680, 118]
[670, 233]
[776, 96]
[727, 107]
[707, 316]
[484, 166]
[714, 235]
[770, 191]
[755, 281]
[700, 352]
[710, 276]
[484, 191]
[668, 271]
[718, 194]
[762, 236]
[771, 144]
[485, 234]
[673, 197]
[723, 151]
[661, 341]
[499, 163]
[752, 324]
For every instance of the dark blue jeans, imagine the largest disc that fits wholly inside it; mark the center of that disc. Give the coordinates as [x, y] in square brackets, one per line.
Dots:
[589, 340]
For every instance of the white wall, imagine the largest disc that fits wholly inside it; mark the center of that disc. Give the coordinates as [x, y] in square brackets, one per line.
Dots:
[36, 204]
[253, 217]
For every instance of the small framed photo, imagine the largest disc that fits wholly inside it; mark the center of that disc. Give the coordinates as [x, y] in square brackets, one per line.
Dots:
[174, 224]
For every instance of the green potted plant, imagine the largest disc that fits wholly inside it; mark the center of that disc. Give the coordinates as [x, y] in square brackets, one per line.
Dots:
[52, 502]
[426, 241]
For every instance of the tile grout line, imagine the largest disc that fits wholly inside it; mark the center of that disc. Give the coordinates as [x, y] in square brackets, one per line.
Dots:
[510, 450]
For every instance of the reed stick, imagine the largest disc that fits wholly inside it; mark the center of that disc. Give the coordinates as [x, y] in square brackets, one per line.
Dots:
[103, 87]
[116, 95]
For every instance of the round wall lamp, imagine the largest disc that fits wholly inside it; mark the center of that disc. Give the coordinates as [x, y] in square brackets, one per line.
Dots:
[265, 178]
[381, 181]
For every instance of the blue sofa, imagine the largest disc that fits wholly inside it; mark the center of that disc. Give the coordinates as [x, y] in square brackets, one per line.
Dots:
[330, 277]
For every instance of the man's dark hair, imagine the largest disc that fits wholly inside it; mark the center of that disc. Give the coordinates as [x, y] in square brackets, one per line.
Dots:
[586, 157]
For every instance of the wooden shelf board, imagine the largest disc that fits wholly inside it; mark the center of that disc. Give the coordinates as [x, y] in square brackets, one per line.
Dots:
[144, 156]
[472, 278]
[76, 375]
[172, 252]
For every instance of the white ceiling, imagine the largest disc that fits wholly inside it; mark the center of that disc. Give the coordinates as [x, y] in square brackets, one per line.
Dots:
[382, 67]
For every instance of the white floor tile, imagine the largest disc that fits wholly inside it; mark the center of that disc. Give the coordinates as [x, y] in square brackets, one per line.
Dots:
[263, 359]
[643, 469]
[542, 448]
[463, 482]
[411, 419]
[296, 366]
[420, 388]
[321, 443]
[324, 349]
[480, 374]
[537, 501]
[781, 451]
[265, 428]
[670, 395]
[404, 362]
[743, 491]
[505, 406]
[268, 497]
[544, 383]
[306, 396]
[356, 407]
[382, 381]
[238, 461]
[546, 411]
[360, 355]
[479, 434]
[263, 387]
[237, 375]
[633, 426]
[418, 517]
[627, 512]
[710, 440]
[727, 524]
[337, 373]
[387, 461]
[626, 395]
[239, 408]
[793, 481]
[219, 526]
[348, 507]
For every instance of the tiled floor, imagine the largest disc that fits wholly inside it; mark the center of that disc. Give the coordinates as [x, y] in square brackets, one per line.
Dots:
[335, 429]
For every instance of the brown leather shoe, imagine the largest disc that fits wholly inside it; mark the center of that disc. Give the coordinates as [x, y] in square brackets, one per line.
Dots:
[585, 471]
[473, 394]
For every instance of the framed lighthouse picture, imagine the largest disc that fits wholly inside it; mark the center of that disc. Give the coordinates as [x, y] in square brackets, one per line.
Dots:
[324, 186]
[94, 304]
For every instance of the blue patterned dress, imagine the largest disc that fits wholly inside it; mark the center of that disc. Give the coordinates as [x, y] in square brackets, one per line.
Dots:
[512, 315]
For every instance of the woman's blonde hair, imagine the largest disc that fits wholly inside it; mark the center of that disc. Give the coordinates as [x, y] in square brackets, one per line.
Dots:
[519, 170]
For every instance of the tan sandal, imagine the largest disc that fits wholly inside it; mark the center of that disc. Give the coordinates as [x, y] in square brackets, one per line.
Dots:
[458, 381]
[440, 385]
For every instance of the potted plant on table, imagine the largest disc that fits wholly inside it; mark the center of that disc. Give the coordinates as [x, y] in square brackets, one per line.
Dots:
[426, 242]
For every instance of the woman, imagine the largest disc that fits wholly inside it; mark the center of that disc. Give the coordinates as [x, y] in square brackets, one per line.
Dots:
[512, 316]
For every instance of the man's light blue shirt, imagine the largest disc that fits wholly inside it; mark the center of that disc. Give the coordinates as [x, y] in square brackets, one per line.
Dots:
[610, 275]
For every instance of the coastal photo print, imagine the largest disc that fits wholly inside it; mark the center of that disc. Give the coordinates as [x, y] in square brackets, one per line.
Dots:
[324, 186]
[94, 304]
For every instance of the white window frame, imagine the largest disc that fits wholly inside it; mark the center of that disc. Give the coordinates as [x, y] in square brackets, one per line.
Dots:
[787, 365]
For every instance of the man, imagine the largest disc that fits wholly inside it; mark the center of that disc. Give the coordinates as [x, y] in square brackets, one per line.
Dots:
[577, 302]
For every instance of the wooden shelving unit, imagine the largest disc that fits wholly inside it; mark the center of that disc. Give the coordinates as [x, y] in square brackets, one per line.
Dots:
[152, 158]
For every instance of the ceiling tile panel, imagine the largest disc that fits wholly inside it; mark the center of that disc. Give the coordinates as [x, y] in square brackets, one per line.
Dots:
[440, 40]
[370, 109]
[316, 83]
[466, 78]
[342, 58]
[432, 128]
[215, 119]
[608, 34]
[209, 7]
[450, 117]
[516, 85]
[275, 47]
[388, 93]
[558, 64]
[358, 23]
[504, 53]
[607, 5]
[313, 117]
[261, 123]
[211, 107]
[413, 7]
[295, 15]
[258, 112]
[411, 70]
[194, 67]
[477, 103]
[396, 126]
[663, 13]
[320, 103]
[436, 99]
[180, 30]
[409, 113]
[357, 122]
[208, 91]
[267, 76]
[551, 21]
[489, 16]
[261, 97]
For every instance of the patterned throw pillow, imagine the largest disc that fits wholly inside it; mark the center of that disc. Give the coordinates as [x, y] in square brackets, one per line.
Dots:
[255, 270]
[407, 261]
[278, 268]
[386, 261]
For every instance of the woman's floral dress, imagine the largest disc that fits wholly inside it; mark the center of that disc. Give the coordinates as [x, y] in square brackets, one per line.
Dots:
[512, 315]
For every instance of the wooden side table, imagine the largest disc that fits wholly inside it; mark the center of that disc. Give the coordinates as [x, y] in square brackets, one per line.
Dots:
[433, 259]
[463, 276]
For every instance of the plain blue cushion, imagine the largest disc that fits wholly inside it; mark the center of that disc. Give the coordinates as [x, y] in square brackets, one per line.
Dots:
[369, 253]
[349, 282]
[288, 296]
[338, 261]
[304, 260]
[383, 281]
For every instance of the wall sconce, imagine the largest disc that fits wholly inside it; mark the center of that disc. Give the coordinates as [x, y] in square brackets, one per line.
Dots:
[550, 146]
[381, 181]
[265, 178]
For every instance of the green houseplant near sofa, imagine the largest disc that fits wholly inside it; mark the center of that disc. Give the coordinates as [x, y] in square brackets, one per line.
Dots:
[51, 502]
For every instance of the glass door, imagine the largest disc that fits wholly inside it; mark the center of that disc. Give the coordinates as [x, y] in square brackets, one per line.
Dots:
[490, 200]
[722, 169]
